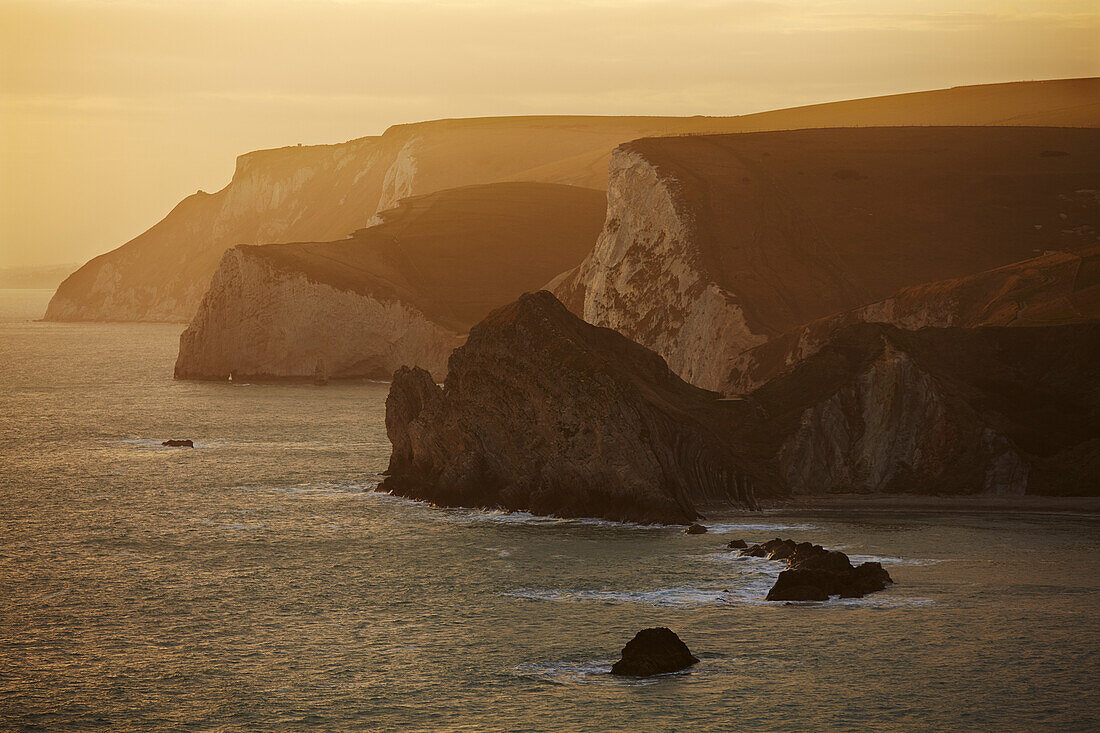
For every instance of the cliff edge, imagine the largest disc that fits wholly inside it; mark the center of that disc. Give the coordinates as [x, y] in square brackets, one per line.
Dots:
[716, 244]
[403, 291]
[317, 193]
[543, 412]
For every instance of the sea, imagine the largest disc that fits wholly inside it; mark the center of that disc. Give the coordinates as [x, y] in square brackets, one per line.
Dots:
[257, 582]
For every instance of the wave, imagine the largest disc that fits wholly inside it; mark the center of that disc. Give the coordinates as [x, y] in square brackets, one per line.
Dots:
[700, 596]
[500, 516]
[343, 488]
[726, 528]
[857, 559]
[596, 671]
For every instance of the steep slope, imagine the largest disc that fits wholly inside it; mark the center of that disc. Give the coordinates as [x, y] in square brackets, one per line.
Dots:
[1053, 289]
[1002, 411]
[322, 192]
[403, 291]
[716, 244]
[543, 412]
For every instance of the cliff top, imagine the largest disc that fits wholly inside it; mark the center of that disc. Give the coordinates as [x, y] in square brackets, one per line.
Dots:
[805, 223]
[458, 253]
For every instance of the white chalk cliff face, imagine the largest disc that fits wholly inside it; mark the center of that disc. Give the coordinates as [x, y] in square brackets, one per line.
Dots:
[323, 192]
[645, 278]
[262, 321]
[401, 292]
[717, 245]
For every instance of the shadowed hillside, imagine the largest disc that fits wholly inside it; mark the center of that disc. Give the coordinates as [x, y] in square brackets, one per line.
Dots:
[716, 244]
[403, 291]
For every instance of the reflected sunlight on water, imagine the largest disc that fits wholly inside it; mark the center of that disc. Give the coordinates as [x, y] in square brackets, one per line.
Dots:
[257, 583]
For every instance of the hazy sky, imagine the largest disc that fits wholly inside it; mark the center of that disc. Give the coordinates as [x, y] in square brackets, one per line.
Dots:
[111, 111]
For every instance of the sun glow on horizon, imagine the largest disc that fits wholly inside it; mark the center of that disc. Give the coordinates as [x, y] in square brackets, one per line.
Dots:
[111, 112]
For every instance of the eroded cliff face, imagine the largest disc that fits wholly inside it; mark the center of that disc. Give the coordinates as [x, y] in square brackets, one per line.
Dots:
[715, 245]
[993, 411]
[892, 430]
[403, 291]
[545, 413]
[323, 192]
[259, 321]
[645, 277]
[290, 194]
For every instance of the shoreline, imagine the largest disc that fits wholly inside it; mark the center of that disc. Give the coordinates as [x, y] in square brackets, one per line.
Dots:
[1084, 505]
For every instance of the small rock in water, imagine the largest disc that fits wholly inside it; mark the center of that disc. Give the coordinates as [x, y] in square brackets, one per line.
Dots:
[179, 443]
[654, 651]
[737, 545]
[696, 528]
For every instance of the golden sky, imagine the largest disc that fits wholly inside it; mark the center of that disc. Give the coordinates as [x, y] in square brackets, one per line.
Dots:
[111, 111]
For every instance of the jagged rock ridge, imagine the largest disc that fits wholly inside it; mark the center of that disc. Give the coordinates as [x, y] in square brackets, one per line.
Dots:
[404, 291]
[716, 244]
[994, 410]
[322, 192]
[543, 412]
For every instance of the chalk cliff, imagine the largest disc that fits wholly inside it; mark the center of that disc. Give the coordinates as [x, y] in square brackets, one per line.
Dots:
[543, 412]
[403, 291]
[716, 244]
[322, 192]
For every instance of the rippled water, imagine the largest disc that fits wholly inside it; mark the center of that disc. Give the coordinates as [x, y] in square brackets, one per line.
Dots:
[254, 584]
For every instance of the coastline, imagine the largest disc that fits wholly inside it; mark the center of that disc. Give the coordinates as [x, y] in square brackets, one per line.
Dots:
[916, 503]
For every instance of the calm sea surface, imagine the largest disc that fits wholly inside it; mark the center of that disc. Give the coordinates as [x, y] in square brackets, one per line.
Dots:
[255, 583]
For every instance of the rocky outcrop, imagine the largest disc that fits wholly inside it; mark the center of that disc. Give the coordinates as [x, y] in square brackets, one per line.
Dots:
[322, 192]
[996, 411]
[545, 413]
[717, 244]
[654, 651]
[1053, 289]
[403, 291]
[174, 443]
[815, 574]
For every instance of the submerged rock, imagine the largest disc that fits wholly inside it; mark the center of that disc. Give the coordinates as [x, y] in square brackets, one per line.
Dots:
[654, 651]
[545, 413]
[179, 443]
[695, 528]
[815, 573]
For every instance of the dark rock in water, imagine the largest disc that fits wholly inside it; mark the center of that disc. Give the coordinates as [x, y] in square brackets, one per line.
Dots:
[815, 574]
[545, 413]
[179, 443]
[737, 545]
[696, 528]
[654, 651]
